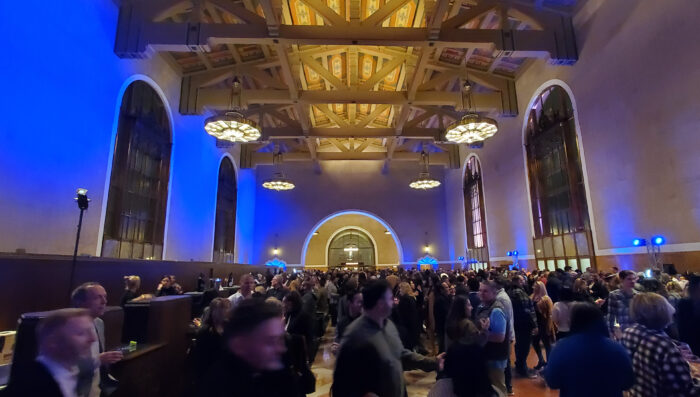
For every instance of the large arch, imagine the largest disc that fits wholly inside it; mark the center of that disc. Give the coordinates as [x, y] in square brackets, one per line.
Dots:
[584, 171]
[110, 156]
[368, 214]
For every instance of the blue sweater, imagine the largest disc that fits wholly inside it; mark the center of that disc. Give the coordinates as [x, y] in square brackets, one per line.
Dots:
[589, 364]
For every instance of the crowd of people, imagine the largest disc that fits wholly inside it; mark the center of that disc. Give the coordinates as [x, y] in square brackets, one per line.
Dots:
[593, 334]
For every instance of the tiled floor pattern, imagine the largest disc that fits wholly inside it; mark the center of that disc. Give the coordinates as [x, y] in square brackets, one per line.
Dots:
[418, 382]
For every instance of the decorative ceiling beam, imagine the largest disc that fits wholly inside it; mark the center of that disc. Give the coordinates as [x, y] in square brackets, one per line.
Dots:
[435, 21]
[328, 14]
[259, 158]
[384, 12]
[239, 11]
[219, 98]
[382, 73]
[325, 108]
[323, 72]
[200, 37]
[349, 132]
[373, 115]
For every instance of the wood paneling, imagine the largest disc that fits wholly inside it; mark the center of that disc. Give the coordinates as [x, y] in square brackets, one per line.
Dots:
[38, 283]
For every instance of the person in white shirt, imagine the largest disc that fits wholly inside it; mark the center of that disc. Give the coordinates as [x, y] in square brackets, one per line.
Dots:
[64, 340]
[245, 291]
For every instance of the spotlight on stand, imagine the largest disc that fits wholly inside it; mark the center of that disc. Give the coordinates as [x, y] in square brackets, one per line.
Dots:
[653, 249]
[514, 254]
[639, 242]
[82, 199]
[83, 203]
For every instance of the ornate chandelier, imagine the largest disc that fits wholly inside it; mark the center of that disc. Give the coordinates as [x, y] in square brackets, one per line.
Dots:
[472, 127]
[424, 180]
[278, 181]
[233, 126]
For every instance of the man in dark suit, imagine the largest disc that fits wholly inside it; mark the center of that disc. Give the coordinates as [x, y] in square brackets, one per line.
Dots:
[65, 338]
[253, 365]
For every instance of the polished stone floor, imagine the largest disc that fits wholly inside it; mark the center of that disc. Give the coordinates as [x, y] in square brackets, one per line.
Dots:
[419, 382]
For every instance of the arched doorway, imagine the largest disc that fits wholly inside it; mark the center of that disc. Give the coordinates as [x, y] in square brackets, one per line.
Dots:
[351, 248]
[386, 245]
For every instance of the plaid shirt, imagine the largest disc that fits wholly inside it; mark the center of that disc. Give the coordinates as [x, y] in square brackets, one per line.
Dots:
[619, 309]
[659, 368]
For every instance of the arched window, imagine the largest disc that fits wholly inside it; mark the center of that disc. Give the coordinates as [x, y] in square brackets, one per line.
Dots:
[477, 249]
[351, 248]
[138, 189]
[557, 191]
[225, 225]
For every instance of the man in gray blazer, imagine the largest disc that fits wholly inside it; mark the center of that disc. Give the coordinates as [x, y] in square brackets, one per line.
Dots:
[93, 297]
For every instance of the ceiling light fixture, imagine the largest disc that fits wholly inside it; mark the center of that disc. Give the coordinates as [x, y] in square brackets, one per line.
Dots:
[424, 180]
[472, 127]
[233, 126]
[278, 181]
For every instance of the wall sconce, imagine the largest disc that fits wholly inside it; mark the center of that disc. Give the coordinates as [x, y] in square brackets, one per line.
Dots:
[426, 249]
[275, 251]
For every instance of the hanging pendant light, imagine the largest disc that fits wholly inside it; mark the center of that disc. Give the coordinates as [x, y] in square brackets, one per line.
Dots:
[472, 127]
[233, 126]
[278, 181]
[424, 180]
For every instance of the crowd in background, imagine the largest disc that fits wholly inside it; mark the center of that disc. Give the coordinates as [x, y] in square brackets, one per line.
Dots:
[592, 333]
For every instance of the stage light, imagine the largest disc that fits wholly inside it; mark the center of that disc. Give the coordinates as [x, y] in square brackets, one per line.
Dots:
[509, 253]
[82, 198]
[658, 240]
[639, 242]
[461, 258]
[515, 253]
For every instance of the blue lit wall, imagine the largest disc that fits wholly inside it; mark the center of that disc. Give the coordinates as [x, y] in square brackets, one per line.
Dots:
[61, 89]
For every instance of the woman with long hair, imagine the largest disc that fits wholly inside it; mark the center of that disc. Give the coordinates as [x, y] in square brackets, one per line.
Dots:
[459, 328]
[545, 325]
[209, 343]
[407, 316]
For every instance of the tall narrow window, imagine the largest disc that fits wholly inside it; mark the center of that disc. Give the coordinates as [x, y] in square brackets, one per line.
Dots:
[225, 224]
[557, 191]
[138, 190]
[477, 250]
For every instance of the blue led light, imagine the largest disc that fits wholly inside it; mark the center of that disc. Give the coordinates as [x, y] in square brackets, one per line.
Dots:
[509, 253]
[658, 240]
[515, 253]
[639, 242]
[461, 258]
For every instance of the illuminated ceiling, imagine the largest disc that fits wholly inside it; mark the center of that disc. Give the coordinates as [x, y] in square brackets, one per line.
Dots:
[355, 77]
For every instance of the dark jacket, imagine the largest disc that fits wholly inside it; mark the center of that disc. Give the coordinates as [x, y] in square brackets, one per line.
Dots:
[209, 347]
[408, 321]
[232, 377]
[34, 379]
[688, 320]
[372, 359]
[301, 323]
[578, 360]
